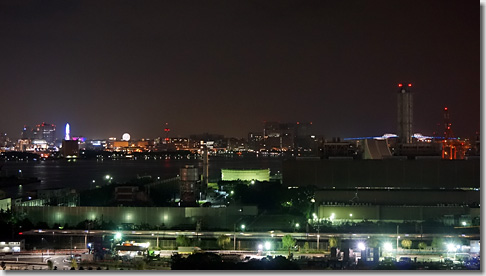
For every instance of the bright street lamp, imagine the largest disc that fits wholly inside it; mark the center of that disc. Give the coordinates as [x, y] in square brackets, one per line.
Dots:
[242, 227]
[388, 246]
[268, 245]
[107, 177]
[361, 246]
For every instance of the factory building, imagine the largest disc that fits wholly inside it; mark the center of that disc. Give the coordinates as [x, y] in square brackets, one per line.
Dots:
[245, 175]
[436, 189]
[189, 185]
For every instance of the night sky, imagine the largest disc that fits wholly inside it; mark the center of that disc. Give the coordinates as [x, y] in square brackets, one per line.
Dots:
[109, 67]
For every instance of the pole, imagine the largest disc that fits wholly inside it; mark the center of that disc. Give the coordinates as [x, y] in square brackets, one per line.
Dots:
[157, 236]
[234, 237]
[71, 251]
[396, 255]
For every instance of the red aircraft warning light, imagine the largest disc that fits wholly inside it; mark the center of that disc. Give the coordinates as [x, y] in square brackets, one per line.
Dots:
[409, 85]
[400, 85]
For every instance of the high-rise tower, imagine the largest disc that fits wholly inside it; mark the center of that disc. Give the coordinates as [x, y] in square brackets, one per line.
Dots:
[405, 113]
[447, 125]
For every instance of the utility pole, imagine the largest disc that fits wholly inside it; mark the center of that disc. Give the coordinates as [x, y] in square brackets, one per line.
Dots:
[157, 236]
[398, 237]
[234, 236]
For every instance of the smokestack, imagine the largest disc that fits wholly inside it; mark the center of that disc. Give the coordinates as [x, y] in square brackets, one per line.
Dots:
[405, 113]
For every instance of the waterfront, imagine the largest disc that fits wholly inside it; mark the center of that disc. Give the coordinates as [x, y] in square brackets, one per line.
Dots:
[80, 174]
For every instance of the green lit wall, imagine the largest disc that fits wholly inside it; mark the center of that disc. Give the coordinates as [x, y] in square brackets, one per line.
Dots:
[391, 213]
[167, 216]
[245, 175]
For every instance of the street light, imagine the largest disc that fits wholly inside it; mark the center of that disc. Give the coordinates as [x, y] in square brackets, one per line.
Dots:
[361, 246]
[268, 246]
[242, 227]
[118, 236]
[464, 223]
[388, 246]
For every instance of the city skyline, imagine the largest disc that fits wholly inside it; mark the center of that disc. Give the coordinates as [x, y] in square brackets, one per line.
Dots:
[218, 67]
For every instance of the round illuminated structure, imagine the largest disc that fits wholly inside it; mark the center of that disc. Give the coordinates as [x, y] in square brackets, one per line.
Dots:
[126, 137]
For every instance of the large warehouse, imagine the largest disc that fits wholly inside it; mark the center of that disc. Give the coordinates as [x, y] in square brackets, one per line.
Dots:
[390, 189]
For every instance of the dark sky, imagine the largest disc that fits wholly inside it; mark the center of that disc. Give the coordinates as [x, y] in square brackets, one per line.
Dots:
[109, 67]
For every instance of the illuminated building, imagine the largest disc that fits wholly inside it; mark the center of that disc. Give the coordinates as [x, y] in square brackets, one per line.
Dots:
[118, 145]
[289, 137]
[70, 148]
[180, 143]
[27, 133]
[404, 114]
[245, 175]
[279, 136]
[45, 132]
[67, 135]
[305, 140]
[255, 141]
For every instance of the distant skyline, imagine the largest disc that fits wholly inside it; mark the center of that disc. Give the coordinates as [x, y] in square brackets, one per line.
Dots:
[109, 67]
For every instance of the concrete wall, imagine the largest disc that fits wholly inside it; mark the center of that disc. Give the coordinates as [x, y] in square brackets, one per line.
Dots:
[169, 216]
[391, 213]
[425, 173]
[400, 197]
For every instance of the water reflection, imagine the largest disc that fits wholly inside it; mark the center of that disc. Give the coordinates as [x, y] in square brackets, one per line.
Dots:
[80, 174]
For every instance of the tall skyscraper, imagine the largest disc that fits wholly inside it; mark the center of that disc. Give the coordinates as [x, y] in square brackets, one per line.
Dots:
[45, 132]
[405, 114]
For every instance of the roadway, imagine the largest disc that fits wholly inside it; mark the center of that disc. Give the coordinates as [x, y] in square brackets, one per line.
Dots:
[172, 234]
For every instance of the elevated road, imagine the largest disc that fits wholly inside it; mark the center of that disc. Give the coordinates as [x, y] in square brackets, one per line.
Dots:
[172, 234]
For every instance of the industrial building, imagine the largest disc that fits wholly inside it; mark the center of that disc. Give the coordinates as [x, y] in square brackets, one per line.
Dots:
[245, 175]
[190, 183]
[390, 189]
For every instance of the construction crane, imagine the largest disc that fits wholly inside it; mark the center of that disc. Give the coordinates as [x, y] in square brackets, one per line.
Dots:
[452, 148]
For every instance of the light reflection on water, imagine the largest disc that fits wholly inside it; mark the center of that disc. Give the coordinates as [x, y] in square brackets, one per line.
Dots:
[81, 173]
